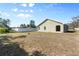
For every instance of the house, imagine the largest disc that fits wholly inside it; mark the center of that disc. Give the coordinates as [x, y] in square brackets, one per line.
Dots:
[46, 26]
[21, 29]
[51, 26]
[76, 29]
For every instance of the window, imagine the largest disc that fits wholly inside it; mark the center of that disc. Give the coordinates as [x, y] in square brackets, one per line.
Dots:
[44, 27]
[58, 28]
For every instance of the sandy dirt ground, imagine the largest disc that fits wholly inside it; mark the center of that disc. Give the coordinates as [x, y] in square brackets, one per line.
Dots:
[50, 44]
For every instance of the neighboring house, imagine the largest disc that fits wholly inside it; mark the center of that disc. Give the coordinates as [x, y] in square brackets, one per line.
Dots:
[76, 29]
[51, 26]
[46, 26]
[21, 29]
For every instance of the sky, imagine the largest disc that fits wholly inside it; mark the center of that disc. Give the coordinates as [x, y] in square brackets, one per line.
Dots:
[22, 13]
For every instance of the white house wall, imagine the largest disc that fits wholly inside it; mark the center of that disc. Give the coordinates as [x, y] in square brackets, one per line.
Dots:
[50, 26]
[76, 29]
[24, 29]
[16, 29]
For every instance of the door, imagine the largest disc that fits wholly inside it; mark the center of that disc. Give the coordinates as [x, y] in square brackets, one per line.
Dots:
[58, 28]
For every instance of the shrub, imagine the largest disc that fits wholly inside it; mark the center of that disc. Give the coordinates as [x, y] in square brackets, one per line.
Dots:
[4, 30]
[28, 33]
[12, 31]
[37, 53]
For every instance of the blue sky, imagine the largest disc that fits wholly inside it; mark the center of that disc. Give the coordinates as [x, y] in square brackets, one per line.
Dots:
[20, 13]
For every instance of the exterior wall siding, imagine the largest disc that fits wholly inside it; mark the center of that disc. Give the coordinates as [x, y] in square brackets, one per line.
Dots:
[51, 27]
[77, 29]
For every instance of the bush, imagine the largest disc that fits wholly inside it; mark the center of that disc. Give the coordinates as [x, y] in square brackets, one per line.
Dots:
[12, 31]
[4, 30]
[37, 53]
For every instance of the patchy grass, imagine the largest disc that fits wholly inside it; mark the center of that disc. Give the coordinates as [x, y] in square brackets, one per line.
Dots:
[47, 43]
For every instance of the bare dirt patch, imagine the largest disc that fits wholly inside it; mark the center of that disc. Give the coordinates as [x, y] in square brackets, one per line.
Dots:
[48, 43]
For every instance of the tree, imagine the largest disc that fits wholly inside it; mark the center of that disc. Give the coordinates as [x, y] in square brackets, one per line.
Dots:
[1, 19]
[23, 26]
[5, 21]
[32, 24]
[75, 22]
[8, 21]
[28, 25]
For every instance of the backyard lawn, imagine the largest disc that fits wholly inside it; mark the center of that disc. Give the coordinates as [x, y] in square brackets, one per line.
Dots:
[50, 44]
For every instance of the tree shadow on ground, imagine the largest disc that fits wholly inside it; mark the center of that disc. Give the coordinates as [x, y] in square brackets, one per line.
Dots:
[4, 39]
[12, 50]
[8, 48]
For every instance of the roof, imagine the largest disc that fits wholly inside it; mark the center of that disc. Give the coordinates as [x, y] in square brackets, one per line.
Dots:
[18, 27]
[50, 20]
[15, 27]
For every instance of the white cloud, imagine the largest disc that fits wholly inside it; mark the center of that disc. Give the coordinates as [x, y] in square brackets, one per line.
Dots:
[0, 12]
[5, 14]
[15, 9]
[31, 10]
[24, 5]
[20, 15]
[31, 4]
[28, 15]
[26, 10]
[24, 15]
[21, 10]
